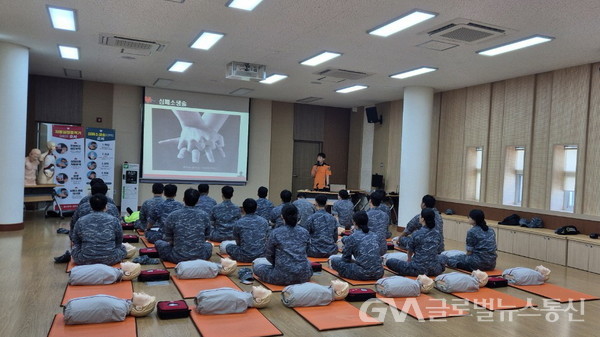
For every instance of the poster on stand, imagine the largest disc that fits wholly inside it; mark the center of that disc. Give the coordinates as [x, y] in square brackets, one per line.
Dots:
[68, 158]
[100, 156]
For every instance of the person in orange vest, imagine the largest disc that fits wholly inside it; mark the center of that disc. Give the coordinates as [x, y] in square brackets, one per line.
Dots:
[320, 173]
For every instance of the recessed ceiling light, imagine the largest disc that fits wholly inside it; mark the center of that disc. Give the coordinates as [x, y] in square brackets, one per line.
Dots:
[67, 52]
[413, 72]
[407, 20]
[309, 99]
[180, 66]
[505, 48]
[62, 18]
[273, 78]
[246, 5]
[322, 57]
[351, 89]
[206, 40]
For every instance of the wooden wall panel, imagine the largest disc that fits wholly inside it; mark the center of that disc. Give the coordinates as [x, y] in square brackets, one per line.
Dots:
[335, 143]
[282, 145]
[451, 144]
[538, 188]
[477, 116]
[435, 132]
[382, 147]
[493, 157]
[569, 116]
[309, 122]
[355, 146]
[591, 192]
[57, 100]
[97, 102]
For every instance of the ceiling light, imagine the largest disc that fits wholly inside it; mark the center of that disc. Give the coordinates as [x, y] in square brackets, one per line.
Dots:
[66, 52]
[309, 99]
[401, 23]
[351, 89]
[413, 72]
[273, 78]
[505, 48]
[206, 40]
[246, 5]
[322, 57]
[62, 18]
[180, 66]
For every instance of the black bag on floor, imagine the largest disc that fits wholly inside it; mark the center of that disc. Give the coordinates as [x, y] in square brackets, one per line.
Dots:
[151, 275]
[131, 238]
[360, 294]
[496, 282]
[172, 309]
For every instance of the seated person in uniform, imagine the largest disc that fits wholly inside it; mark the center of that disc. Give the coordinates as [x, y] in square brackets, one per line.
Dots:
[322, 228]
[305, 208]
[223, 216]
[413, 225]
[423, 245]
[86, 208]
[250, 234]
[343, 209]
[159, 214]
[286, 261]
[378, 221]
[360, 258]
[185, 232]
[86, 199]
[205, 202]
[98, 236]
[149, 205]
[286, 198]
[481, 246]
[264, 206]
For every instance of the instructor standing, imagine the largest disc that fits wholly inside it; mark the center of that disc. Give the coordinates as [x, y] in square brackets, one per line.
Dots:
[320, 173]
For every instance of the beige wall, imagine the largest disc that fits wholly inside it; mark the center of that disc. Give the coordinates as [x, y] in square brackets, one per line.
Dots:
[355, 146]
[282, 149]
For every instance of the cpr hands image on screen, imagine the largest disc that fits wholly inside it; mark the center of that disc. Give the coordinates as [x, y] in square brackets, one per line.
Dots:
[199, 134]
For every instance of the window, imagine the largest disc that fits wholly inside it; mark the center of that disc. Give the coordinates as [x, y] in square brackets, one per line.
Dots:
[564, 173]
[473, 175]
[514, 168]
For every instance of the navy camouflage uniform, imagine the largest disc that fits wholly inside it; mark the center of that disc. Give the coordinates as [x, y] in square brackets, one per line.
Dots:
[305, 209]
[322, 228]
[86, 200]
[158, 216]
[276, 215]
[286, 251]
[378, 224]
[147, 207]
[206, 203]
[250, 234]
[222, 218]
[185, 233]
[414, 225]
[360, 259]
[85, 209]
[344, 209]
[424, 243]
[98, 238]
[384, 208]
[264, 207]
[482, 245]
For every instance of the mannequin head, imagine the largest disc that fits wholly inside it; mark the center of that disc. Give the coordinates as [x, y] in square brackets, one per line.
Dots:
[34, 155]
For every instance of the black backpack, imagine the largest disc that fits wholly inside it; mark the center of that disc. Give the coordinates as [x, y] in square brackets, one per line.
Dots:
[567, 230]
[511, 220]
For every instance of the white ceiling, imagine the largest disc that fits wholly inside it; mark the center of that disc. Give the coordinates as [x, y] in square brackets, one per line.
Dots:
[280, 33]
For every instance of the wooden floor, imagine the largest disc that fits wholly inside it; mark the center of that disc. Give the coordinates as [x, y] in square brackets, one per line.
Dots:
[32, 286]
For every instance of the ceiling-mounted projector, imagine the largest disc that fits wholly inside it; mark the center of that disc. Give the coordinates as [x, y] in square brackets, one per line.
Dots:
[246, 71]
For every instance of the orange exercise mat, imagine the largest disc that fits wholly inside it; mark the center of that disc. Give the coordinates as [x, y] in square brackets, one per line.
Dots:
[248, 324]
[122, 289]
[352, 282]
[241, 264]
[557, 293]
[423, 306]
[139, 232]
[318, 259]
[72, 264]
[126, 328]
[494, 300]
[337, 315]
[168, 265]
[190, 288]
[146, 242]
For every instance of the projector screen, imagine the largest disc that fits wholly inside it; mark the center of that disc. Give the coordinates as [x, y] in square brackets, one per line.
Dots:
[191, 137]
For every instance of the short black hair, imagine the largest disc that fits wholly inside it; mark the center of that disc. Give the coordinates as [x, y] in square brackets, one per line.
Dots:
[249, 206]
[344, 194]
[321, 200]
[321, 154]
[191, 196]
[376, 198]
[429, 216]
[203, 188]
[170, 190]
[158, 188]
[290, 215]
[286, 196]
[227, 192]
[361, 219]
[96, 180]
[99, 188]
[301, 195]
[98, 202]
[262, 192]
[429, 201]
